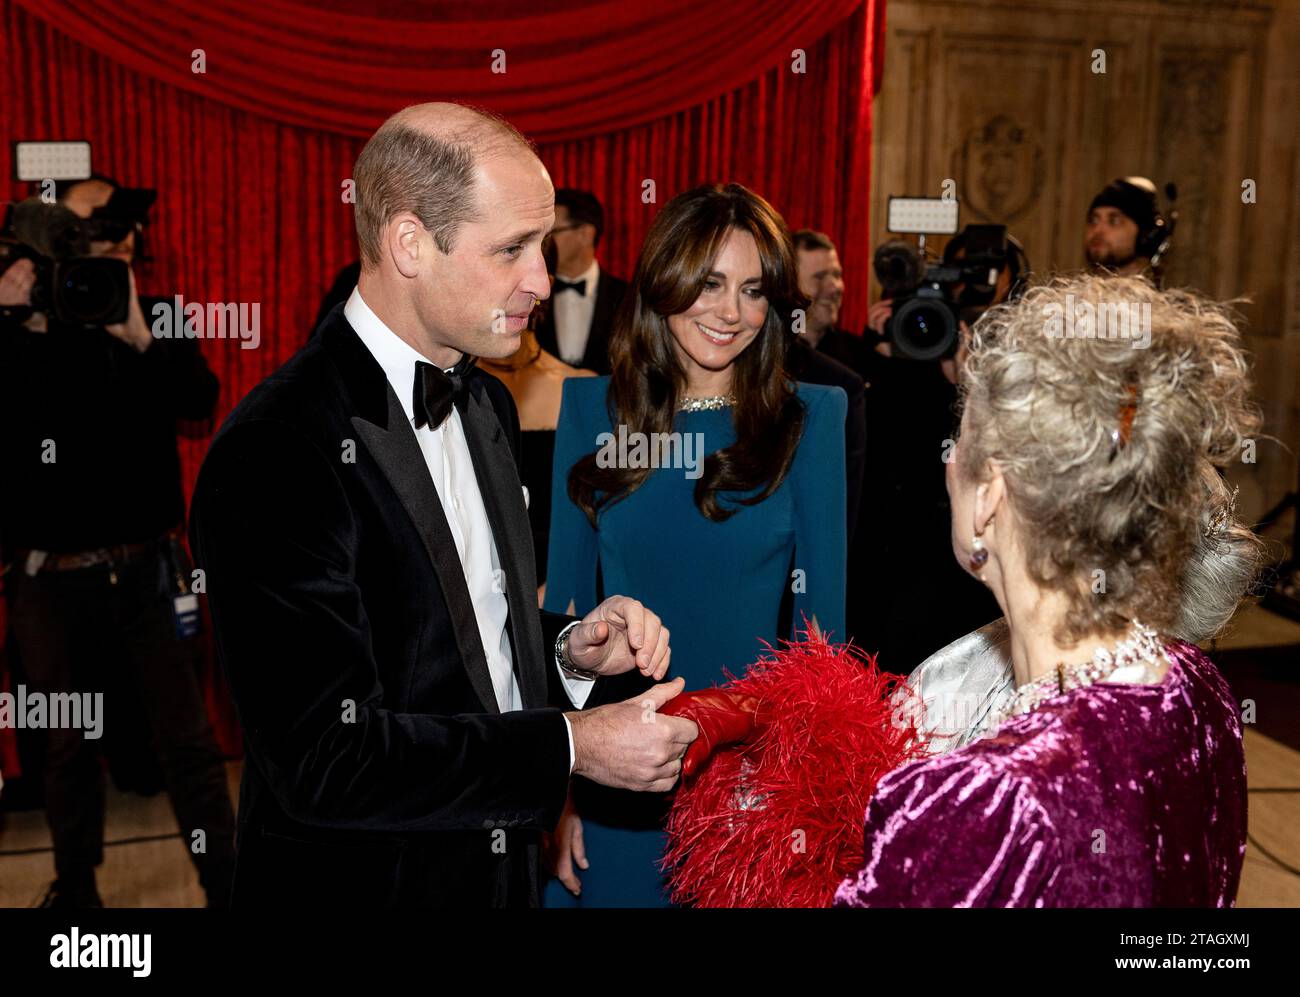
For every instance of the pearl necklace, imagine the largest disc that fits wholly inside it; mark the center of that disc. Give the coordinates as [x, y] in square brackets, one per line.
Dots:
[1142, 650]
[705, 404]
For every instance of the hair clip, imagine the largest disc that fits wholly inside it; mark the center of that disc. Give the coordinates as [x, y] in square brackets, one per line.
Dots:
[1222, 516]
[1119, 436]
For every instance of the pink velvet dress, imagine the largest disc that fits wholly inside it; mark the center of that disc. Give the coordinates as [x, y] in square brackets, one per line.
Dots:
[1111, 795]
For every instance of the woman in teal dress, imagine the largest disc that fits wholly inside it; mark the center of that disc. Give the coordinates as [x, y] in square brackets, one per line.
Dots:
[700, 442]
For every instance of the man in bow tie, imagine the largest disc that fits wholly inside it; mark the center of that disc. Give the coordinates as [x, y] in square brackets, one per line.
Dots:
[411, 721]
[577, 326]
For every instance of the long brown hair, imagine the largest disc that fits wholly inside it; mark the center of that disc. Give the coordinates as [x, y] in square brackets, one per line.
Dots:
[648, 379]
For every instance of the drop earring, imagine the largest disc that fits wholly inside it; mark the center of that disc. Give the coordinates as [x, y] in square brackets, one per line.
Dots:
[979, 555]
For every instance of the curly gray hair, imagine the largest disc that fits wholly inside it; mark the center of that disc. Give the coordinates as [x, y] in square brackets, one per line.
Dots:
[1098, 487]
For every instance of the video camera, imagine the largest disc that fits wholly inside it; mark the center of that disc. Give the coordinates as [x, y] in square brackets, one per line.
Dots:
[74, 287]
[931, 299]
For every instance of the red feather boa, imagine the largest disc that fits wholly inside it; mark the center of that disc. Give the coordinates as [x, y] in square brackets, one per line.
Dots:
[778, 822]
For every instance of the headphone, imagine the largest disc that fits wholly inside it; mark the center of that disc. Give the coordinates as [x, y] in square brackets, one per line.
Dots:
[1154, 242]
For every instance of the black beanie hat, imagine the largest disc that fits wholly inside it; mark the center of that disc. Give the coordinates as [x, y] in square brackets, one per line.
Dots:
[1135, 196]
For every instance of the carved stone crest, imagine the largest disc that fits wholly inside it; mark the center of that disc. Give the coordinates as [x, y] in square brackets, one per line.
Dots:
[1000, 170]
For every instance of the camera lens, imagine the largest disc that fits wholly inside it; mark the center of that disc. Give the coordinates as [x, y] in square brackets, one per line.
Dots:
[92, 291]
[924, 329]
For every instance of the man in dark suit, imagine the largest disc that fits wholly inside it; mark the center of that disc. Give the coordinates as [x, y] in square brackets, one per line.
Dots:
[577, 326]
[823, 354]
[367, 559]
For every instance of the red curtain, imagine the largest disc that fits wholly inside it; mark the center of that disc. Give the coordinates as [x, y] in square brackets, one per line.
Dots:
[250, 156]
[571, 69]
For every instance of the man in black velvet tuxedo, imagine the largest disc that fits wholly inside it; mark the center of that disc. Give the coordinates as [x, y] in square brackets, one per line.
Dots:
[367, 559]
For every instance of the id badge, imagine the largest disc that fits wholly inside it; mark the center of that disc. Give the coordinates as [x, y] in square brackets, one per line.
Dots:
[185, 613]
[185, 605]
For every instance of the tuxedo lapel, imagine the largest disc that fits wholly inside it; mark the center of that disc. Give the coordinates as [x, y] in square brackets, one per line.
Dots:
[603, 312]
[608, 297]
[498, 481]
[383, 427]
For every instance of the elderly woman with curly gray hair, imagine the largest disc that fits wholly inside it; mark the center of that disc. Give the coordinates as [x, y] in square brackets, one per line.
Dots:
[1086, 495]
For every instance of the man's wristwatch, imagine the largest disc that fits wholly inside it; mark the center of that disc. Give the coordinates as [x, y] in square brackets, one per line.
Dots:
[562, 655]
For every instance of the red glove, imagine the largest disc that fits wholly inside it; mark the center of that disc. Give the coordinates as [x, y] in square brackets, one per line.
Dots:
[723, 718]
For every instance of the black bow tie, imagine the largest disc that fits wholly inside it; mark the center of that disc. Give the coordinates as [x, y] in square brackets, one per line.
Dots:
[571, 285]
[437, 390]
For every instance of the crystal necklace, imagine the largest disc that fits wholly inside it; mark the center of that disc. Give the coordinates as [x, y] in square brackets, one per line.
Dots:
[705, 404]
[1141, 651]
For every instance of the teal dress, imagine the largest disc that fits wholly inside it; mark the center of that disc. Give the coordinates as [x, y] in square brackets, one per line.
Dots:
[722, 589]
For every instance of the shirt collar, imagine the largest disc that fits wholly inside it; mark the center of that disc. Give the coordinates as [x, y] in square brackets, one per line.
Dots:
[396, 356]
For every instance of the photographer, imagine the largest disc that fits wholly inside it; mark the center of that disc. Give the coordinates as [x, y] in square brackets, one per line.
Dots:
[96, 575]
[910, 419]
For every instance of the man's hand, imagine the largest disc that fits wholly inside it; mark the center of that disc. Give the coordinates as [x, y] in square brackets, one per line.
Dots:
[134, 331]
[630, 745]
[618, 635]
[16, 284]
[878, 315]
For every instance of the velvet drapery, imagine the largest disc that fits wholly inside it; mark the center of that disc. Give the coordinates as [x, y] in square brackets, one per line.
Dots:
[251, 156]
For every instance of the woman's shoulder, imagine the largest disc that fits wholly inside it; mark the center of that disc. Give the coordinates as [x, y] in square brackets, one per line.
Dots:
[818, 393]
[825, 411]
[823, 401]
[585, 396]
[583, 384]
[1194, 667]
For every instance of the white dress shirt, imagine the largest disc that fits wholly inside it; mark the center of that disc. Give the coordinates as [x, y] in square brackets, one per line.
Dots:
[446, 453]
[573, 314]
